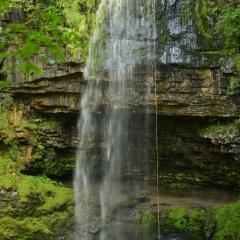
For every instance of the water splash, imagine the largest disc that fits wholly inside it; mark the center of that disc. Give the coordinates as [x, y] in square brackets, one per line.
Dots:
[122, 52]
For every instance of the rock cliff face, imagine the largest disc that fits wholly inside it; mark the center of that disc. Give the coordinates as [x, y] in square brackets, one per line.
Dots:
[58, 94]
[192, 94]
[195, 92]
[180, 91]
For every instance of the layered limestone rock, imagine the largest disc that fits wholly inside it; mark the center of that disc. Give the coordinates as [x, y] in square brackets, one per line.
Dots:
[180, 91]
[50, 95]
[195, 92]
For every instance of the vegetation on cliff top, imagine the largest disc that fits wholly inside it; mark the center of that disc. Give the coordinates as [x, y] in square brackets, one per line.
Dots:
[50, 29]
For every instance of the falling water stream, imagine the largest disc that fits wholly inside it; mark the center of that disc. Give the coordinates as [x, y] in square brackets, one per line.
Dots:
[122, 53]
[116, 153]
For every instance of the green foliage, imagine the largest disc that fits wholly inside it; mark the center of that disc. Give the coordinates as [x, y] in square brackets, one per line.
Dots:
[6, 129]
[30, 69]
[199, 13]
[53, 196]
[186, 219]
[218, 21]
[39, 124]
[227, 222]
[5, 6]
[39, 206]
[34, 129]
[148, 222]
[5, 84]
[229, 28]
[24, 229]
[228, 24]
[221, 129]
[80, 16]
[49, 29]
[7, 181]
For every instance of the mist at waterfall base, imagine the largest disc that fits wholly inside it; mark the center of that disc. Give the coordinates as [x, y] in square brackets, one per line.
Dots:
[112, 167]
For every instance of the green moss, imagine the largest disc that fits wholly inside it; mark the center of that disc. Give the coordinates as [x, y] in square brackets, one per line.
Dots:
[191, 220]
[34, 129]
[39, 228]
[34, 205]
[6, 129]
[5, 84]
[227, 221]
[8, 182]
[148, 223]
[59, 164]
[222, 220]
[52, 195]
[6, 166]
[23, 229]
[39, 124]
[38, 208]
[234, 84]
[198, 12]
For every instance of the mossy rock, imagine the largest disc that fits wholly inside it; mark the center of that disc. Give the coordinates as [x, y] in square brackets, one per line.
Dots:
[220, 222]
[192, 220]
[195, 222]
[148, 223]
[59, 164]
[36, 207]
[24, 229]
[227, 221]
[25, 141]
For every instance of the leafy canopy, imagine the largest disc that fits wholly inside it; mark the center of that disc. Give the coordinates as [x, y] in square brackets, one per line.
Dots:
[48, 29]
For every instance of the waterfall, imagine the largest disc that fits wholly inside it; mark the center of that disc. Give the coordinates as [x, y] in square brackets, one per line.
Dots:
[121, 55]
